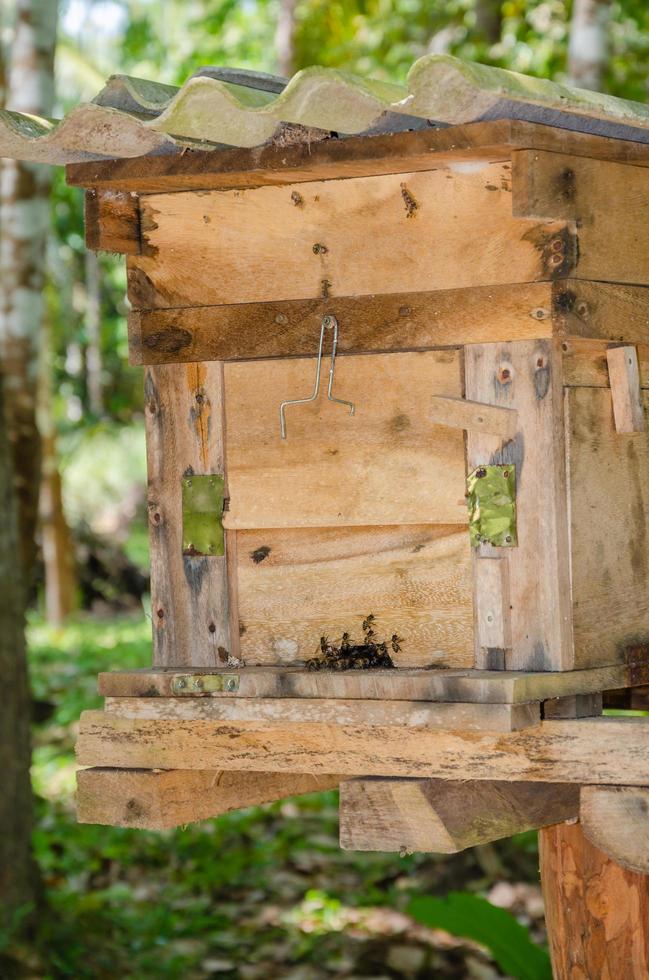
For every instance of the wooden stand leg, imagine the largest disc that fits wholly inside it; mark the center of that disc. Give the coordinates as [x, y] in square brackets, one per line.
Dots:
[597, 912]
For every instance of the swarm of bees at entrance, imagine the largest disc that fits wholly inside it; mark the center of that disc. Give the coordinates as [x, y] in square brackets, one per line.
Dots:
[368, 655]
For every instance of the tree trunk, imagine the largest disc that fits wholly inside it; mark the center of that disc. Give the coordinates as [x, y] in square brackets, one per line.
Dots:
[588, 43]
[597, 912]
[24, 200]
[488, 20]
[285, 38]
[93, 335]
[18, 878]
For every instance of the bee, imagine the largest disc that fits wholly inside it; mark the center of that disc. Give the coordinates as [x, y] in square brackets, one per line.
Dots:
[367, 623]
[396, 641]
[324, 643]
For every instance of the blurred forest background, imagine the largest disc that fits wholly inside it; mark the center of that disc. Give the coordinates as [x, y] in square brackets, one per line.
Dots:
[265, 893]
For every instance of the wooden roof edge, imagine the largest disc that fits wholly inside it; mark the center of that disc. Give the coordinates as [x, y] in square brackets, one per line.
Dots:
[400, 152]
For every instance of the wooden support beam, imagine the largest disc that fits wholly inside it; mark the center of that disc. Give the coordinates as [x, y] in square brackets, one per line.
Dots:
[597, 913]
[492, 605]
[616, 820]
[585, 750]
[624, 376]
[443, 817]
[157, 800]
[494, 686]
[460, 413]
[362, 712]
[573, 706]
[112, 221]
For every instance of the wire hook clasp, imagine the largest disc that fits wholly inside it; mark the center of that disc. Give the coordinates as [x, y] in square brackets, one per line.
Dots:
[329, 322]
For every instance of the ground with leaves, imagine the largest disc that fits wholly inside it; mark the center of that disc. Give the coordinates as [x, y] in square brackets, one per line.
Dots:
[261, 894]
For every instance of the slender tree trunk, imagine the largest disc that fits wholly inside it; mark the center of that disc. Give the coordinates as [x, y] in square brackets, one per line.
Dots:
[93, 334]
[285, 38]
[488, 20]
[588, 43]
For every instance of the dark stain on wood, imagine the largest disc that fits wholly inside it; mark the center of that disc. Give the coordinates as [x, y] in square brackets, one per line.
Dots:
[541, 374]
[195, 569]
[142, 292]
[169, 341]
[559, 251]
[566, 185]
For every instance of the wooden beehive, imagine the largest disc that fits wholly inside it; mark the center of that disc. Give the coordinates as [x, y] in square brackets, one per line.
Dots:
[490, 288]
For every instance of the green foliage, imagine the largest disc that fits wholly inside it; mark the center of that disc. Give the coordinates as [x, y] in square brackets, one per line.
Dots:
[468, 915]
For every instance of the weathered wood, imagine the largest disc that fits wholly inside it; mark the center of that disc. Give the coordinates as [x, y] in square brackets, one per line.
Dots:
[411, 685]
[385, 465]
[631, 698]
[112, 221]
[616, 820]
[605, 310]
[609, 541]
[606, 199]
[596, 912]
[189, 595]
[492, 609]
[573, 706]
[526, 376]
[442, 816]
[460, 413]
[592, 750]
[394, 233]
[361, 712]
[296, 585]
[158, 800]
[349, 157]
[585, 364]
[624, 377]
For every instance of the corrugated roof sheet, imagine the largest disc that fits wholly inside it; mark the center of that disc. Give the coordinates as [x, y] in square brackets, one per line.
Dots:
[221, 106]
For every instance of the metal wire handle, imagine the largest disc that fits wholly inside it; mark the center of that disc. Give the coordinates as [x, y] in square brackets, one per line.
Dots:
[329, 322]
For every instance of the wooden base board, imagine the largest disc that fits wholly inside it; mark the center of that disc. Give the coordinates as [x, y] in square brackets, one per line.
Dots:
[479, 686]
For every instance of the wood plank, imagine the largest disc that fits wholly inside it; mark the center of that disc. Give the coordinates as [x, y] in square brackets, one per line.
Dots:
[607, 200]
[159, 800]
[460, 413]
[296, 585]
[493, 686]
[585, 363]
[444, 817]
[361, 711]
[616, 820]
[384, 465]
[112, 221]
[189, 595]
[526, 376]
[609, 311]
[492, 605]
[625, 389]
[349, 157]
[609, 541]
[394, 233]
[592, 750]
[596, 912]
[391, 321]
[573, 706]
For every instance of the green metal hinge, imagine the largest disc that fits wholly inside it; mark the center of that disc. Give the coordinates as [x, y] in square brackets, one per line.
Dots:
[192, 684]
[203, 499]
[491, 499]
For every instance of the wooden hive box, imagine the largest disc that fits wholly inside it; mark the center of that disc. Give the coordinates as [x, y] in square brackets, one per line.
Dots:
[484, 504]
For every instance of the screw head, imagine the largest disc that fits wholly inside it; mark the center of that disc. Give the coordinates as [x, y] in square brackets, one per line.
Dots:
[181, 683]
[231, 684]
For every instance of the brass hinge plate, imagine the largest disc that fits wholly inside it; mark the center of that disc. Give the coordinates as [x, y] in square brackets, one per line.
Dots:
[491, 499]
[189, 685]
[203, 498]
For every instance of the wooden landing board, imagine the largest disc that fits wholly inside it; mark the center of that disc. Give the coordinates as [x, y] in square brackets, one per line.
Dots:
[296, 585]
[348, 157]
[487, 686]
[609, 509]
[586, 750]
[393, 233]
[160, 800]
[362, 712]
[386, 464]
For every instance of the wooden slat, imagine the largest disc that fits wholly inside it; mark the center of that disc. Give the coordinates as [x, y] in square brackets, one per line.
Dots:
[585, 363]
[296, 585]
[616, 820]
[410, 685]
[112, 221]
[161, 800]
[593, 750]
[361, 711]
[608, 200]
[596, 912]
[386, 464]
[189, 595]
[393, 233]
[460, 413]
[573, 706]
[609, 501]
[390, 321]
[443, 817]
[349, 157]
[526, 376]
[492, 606]
[624, 377]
